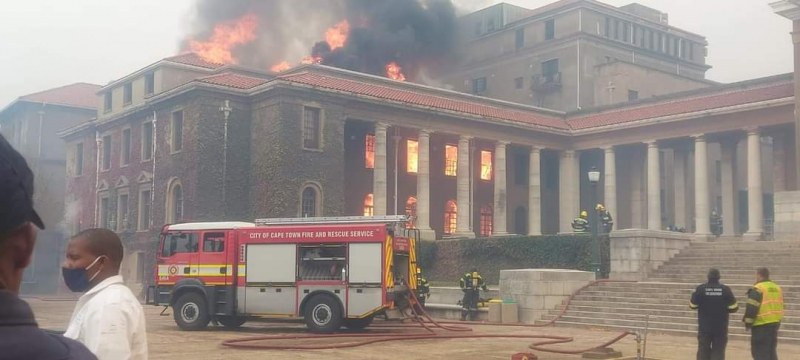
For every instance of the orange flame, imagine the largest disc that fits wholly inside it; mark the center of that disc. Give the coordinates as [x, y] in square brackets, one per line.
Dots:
[336, 36]
[311, 60]
[226, 36]
[394, 71]
[282, 66]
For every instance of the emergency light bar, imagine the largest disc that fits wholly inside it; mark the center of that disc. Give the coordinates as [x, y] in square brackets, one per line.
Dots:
[334, 220]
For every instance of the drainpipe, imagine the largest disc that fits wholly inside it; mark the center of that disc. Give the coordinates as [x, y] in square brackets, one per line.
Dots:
[226, 112]
[98, 148]
[153, 181]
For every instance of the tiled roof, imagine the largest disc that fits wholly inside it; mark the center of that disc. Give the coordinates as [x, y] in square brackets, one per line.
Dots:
[422, 99]
[233, 80]
[78, 95]
[193, 60]
[684, 105]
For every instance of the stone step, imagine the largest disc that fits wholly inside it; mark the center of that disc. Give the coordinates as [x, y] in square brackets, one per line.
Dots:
[790, 324]
[684, 296]
[698, 280]
[656, 310]
[653, 304]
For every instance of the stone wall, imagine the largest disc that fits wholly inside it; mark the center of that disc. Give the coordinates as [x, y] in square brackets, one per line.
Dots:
[635, 253]
[787, 215]
[537, 291]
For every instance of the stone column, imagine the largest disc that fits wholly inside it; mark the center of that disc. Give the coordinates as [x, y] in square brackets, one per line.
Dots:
[728, 148]
[463, 189]
[679, 181]
[535, 192]
[423, 186]
[755, 199]
[568, 189]
[500, 221]
[653, 186]
[610, 196]
[379, 172]
[701, 206]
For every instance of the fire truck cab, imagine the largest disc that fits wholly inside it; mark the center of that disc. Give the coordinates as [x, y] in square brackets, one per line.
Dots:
[332, 272]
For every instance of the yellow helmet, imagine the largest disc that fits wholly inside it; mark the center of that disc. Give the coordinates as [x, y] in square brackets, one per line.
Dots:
[600, 207]
[584, 213]
[419, 270]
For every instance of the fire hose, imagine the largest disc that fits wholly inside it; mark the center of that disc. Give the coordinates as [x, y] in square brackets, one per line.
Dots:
[429, 325]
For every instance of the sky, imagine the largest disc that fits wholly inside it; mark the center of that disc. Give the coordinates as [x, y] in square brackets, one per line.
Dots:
[50, 43]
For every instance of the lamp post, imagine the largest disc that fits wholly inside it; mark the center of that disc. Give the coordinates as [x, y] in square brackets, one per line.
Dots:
[594, 178]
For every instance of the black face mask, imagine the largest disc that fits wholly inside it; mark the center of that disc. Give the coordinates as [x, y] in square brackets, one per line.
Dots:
[78, 280]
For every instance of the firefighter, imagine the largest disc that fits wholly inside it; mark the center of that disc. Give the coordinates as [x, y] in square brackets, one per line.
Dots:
[713, 302]
[581, 224]
[423, 289]
[605, 218]
[716, 223]
[763, 316]
[471, 284]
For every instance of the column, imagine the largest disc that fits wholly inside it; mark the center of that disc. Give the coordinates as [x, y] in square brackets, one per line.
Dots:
[463, 189]
[535, 192]
[499, 218]
[679, 184]
[755, 205]
[728, 148]
[568, 189]
[610, 181]
[379, 173]
[653, 186]
[423, 182]
[701, 206]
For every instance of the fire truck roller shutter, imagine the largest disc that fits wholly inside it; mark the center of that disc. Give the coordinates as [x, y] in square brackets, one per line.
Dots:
[189, 303]
[271, 275]
[365, 293]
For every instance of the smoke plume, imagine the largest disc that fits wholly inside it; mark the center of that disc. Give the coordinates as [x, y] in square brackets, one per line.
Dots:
[414, 34]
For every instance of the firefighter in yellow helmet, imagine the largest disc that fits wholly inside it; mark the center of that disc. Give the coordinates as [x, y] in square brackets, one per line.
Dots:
[423, 288]
[763, 316]
[471, 284]
[606, 220]
[581, 223]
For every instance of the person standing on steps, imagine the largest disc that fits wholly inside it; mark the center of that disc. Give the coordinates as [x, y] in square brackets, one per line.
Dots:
[108, 318]
[581, 224]
[471, 284]
[713, 302]
[763, 316]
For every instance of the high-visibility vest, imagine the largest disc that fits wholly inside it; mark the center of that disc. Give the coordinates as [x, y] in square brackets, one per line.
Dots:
[771, 308]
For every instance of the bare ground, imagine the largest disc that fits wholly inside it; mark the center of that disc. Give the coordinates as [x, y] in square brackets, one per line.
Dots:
[166, 341]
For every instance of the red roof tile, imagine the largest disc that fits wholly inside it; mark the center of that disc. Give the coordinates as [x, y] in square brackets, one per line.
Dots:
[233, 80]
[193, 60]
[683, 106]
[422, 99]
[78, 95]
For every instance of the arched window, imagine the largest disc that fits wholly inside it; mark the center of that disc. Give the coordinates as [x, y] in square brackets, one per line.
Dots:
[411, 212]
[369, 205]
[174, 202]
[450, 214]
[310, 200]
[486, 220]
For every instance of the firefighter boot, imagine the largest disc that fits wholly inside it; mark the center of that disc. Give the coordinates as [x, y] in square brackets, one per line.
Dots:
[464, 313]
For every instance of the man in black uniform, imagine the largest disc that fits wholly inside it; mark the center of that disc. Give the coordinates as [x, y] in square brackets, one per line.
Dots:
[713, 302]
[20, 337]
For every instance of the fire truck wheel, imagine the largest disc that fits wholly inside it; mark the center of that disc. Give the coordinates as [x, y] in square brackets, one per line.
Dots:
[323, 314]
[231, 321]
[190, 312]
[358, 324]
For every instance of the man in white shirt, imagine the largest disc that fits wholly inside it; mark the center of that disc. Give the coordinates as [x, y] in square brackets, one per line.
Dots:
[108, 318]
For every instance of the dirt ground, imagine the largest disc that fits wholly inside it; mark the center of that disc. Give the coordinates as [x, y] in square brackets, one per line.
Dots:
[166, 341]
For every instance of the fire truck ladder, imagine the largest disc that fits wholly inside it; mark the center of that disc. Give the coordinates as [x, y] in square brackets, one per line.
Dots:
[334, 220]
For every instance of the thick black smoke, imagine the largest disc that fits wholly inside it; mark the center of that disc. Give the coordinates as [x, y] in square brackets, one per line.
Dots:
[416, 34]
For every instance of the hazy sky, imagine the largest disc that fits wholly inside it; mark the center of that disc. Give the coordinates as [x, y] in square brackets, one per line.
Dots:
[49, 43]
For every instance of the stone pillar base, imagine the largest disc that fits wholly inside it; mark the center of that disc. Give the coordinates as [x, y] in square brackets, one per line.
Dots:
[500, 234]
[752, 236]
[463, 235]
[703, 237]
[427, 234]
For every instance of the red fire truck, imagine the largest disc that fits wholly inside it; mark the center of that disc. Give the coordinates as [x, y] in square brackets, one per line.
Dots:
[333, 272]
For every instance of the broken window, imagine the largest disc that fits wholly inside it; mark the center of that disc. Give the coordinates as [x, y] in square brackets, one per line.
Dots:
[369, 205]
[486, 220]
[450, 214]
[486, 165]
[550, 71]
[411, 212]
[369, 151]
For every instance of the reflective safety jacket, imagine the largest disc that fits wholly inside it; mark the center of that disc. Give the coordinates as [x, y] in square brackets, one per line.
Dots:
[764, 304]
[580, 225]
[472, 281]
[422, 286]
[713, 302]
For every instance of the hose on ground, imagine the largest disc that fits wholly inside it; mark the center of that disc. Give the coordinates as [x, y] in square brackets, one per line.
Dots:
[430, 327]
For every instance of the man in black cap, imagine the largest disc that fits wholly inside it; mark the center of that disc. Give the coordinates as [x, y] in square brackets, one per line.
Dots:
[713, 302]
[20, 336]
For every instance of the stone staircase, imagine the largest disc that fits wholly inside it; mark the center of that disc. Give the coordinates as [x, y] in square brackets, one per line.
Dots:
[665, 295]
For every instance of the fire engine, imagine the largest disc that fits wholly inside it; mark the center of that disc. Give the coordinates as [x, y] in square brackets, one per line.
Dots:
[332, 272]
